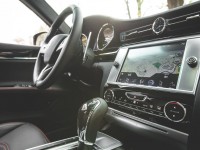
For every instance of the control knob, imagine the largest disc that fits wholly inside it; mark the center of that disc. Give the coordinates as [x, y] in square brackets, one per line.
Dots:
[175, 111]
[192, 61]
[109, 95]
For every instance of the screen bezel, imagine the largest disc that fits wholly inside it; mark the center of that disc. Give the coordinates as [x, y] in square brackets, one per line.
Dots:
[153, 45]
[183, 86]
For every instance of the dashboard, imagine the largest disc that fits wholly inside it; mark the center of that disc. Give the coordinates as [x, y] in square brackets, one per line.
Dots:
[150, 71]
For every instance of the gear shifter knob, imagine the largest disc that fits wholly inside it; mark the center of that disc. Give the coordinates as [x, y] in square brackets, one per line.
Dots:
[89, 119]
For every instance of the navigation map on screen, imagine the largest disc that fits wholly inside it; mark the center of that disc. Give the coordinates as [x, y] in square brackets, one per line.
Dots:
[153, 66]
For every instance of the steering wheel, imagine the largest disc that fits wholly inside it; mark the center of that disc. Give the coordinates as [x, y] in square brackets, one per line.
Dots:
[58, 52]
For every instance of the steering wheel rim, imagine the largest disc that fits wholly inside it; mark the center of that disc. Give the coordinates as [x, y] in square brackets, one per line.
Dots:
[45, 70]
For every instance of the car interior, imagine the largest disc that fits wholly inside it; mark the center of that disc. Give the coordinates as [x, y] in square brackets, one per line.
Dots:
[102, 83]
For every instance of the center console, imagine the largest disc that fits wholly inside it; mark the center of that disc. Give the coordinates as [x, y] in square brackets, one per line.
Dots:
[90, 117]
[154, 85]
[103, 142]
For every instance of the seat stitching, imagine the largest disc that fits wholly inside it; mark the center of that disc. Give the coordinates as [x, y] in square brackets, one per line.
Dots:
[5, 145]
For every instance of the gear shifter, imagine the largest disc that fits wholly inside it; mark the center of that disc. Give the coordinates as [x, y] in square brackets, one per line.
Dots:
[90, 116]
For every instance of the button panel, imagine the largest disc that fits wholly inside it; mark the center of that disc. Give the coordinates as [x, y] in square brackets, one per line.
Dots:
[159, 107]
[136, 101]
[136, 107]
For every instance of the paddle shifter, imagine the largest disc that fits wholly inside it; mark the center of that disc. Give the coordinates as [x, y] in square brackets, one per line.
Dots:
[90, 116]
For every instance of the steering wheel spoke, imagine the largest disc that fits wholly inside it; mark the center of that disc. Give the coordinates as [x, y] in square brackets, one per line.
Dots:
[45, 71]
[62, 44]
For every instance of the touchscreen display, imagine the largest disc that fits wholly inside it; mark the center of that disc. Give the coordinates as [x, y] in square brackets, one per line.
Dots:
[153, 66]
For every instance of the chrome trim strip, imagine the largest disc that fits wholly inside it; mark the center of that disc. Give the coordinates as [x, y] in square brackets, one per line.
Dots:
[107, 24]
[64, 145]
[131, 33]
[18, 58]
[52, 143]
[138, 123]
[109, 53]
[69, 146]
[192, 17]
[188, 77]
[145, 97]
[181, 69]
[123, 85]
[86, 48]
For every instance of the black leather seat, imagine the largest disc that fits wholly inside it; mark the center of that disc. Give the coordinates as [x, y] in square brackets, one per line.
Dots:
[20, 136]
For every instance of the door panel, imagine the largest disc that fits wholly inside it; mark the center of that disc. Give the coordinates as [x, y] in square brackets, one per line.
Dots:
[17, 49]
[53, 110]
[15, 73]
[16, 64]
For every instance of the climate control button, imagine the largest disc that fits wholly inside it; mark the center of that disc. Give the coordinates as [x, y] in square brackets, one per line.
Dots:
[109, 95]
[175, 111]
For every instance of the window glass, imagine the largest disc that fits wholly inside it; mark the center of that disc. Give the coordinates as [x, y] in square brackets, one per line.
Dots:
[18, 23]
[121, 9]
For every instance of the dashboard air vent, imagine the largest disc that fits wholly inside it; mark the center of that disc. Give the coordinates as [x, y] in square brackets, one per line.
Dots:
[188, 21]
[140, 32]
[181, 25]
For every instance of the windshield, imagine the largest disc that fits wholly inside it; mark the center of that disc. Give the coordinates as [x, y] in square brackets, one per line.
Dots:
[120, 9]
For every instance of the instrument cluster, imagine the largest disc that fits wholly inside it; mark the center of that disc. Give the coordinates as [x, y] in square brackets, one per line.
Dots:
[105, 36]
